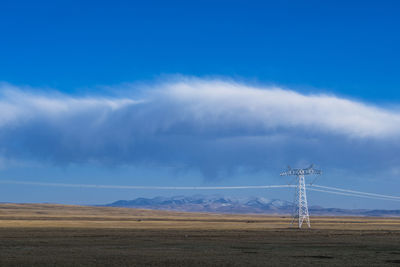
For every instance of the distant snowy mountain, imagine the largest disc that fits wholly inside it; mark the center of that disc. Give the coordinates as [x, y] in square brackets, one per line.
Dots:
[208, 204]
[257, 205]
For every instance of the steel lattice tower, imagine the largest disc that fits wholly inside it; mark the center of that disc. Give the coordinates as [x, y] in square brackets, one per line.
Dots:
[301, 206]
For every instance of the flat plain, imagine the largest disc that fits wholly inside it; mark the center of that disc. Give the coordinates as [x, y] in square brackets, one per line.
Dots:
[62, 235]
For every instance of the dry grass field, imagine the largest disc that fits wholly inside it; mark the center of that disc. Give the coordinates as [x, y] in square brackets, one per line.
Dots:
[59, 235]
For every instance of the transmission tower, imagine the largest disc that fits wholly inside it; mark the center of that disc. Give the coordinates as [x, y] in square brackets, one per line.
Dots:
[301, 207]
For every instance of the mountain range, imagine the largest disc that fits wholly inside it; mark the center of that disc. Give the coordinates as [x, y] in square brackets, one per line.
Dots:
[254, 205]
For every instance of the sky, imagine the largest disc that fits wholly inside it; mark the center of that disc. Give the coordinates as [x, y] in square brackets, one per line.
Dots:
[198, 93]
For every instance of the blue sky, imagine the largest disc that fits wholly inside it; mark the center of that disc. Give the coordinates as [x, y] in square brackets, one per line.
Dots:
[198, 93]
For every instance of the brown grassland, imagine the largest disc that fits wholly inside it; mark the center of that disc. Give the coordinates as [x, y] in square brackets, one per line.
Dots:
[61, 235]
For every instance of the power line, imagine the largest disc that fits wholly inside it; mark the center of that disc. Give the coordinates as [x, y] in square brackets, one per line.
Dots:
[349, 194]
[147, 187]
[337, 191]
[356, 192]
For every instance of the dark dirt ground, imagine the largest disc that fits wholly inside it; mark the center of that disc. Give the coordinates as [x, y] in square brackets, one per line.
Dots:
[62, 235]
[129, 247]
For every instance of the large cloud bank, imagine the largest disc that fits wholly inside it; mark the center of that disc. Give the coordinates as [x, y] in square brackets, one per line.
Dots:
[210, 125]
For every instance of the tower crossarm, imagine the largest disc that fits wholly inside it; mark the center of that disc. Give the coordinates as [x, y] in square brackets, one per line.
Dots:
[297, 172]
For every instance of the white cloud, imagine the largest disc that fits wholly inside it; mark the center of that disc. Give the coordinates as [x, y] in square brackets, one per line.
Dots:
[272, 107]
[206, 124]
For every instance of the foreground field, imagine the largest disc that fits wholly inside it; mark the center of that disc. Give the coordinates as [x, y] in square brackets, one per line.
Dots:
[56, 235]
